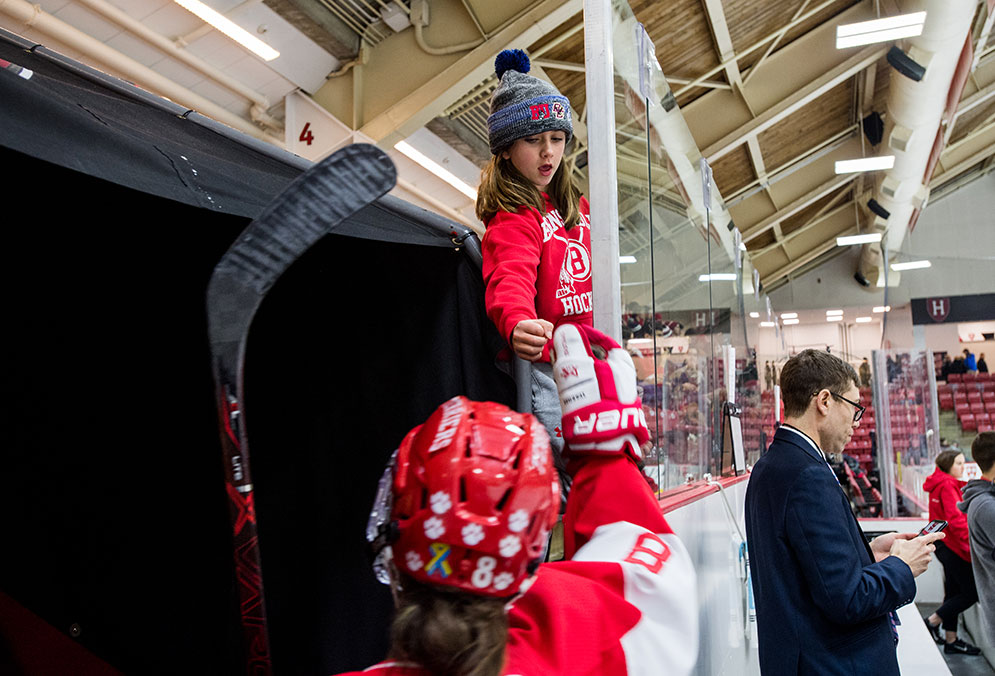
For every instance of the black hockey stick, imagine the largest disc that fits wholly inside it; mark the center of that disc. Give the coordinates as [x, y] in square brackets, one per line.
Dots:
[317, 201]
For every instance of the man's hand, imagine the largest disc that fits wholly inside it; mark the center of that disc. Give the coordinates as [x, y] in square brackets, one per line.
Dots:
[529, 337]
[881, 545]
[914, 550]
[602, 412]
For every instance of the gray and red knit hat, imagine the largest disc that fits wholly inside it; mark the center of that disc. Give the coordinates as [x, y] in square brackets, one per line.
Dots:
[523, 105]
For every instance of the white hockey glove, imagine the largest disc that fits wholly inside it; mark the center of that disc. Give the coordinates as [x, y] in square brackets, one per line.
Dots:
[602, 412]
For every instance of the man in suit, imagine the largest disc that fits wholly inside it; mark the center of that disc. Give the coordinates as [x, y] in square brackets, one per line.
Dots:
[825, 598]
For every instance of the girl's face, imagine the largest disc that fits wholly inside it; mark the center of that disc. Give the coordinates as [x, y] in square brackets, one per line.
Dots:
[957, 469]
[537, 157]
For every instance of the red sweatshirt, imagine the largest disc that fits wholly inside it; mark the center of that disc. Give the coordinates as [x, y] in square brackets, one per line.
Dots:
[944, 494]
[534, 268]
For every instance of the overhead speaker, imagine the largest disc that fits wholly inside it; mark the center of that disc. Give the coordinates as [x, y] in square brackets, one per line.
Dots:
[873, 128]
[874, 206]
[668, 102]
[905, 65]
[861, 279]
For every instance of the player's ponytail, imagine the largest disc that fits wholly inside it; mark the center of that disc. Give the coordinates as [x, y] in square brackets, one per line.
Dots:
[449, 633]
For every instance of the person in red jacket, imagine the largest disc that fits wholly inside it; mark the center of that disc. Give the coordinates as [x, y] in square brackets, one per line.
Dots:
[537, 246]
[954, 552]
[463, 515]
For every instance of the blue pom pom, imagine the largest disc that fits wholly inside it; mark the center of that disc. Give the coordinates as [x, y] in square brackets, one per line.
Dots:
[511, 59]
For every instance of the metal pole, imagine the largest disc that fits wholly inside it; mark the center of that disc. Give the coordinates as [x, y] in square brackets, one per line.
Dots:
[601, 162]
[885, 448]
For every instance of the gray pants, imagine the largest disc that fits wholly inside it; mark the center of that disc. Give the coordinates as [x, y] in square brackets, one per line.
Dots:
[546, 404]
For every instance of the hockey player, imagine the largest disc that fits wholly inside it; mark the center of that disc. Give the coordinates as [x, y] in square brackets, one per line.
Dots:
[462, 519]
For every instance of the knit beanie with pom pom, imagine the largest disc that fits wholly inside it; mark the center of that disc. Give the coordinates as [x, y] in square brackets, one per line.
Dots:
[523, 105]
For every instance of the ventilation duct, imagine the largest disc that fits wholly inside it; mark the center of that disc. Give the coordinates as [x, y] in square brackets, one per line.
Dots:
[914, 112]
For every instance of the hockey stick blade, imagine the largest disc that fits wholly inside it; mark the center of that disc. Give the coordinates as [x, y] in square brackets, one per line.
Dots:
[317, 201]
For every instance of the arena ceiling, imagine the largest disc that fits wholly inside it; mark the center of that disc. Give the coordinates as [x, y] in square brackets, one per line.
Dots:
[769, 100]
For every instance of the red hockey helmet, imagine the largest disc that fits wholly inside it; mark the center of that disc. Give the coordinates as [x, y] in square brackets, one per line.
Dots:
[474, 497]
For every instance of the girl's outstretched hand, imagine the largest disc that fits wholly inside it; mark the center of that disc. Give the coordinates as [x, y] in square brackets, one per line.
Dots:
[529, 337]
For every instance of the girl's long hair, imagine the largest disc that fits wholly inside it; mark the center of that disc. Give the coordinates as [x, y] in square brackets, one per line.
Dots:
[504, 188]
[449, 632]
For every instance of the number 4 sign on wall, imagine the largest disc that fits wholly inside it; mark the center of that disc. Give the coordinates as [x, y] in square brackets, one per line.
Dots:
[306, 135]
[311, 131]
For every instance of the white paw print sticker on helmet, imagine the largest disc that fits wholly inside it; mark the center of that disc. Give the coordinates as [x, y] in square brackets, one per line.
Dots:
[539, 450]
[503, 581]
[434, 528]
[472, 534]
[440, 502]
[414, 561]
[518, 520]
[509, 546]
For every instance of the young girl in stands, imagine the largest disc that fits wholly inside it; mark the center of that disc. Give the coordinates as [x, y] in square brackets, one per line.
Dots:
[537, 247]
[462, 518]
[959, 591]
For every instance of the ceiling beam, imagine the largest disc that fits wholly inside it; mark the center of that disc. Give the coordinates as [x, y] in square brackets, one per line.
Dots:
[430, 98]
[773, 45]
[790, 210]
[723, 41]
[813, 222]
[779, 111]
[776, 35]
[962, 166]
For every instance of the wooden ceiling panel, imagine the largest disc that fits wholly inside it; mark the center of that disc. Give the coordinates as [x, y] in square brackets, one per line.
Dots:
[733, 171]
[973, 120]
[679, 30]
[812, 124]
[750, 21]
[761, 241]
[683, 40]
[812, 211]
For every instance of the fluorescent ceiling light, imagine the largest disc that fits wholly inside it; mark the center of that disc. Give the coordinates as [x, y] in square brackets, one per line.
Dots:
[754, 315]
[880, 30]
[789, 315]
[767, 325]
[833, 312]
[834, 318]
[407, 150]
[859, 239]
[742, 246]
[626, 259]
[865, 164]
[863, 320]
[718, 277]
[788, 322]
[230, 28]
[882, 308]
[910, 265]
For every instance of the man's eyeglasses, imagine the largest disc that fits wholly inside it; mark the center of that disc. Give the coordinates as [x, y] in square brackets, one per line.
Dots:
[858, 409]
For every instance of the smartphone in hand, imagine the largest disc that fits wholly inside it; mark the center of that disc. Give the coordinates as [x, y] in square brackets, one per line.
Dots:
[934, 526]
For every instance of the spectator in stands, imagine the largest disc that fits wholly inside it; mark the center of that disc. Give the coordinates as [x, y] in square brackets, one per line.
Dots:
[768, 375]
[945, 368]
[979, 505]
[825, 597]
[982, 364]
[959, 591]
[865, 373]
[969, 362]
[958, 366]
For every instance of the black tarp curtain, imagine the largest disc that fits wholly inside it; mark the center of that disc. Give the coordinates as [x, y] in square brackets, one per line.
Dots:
[115, 527]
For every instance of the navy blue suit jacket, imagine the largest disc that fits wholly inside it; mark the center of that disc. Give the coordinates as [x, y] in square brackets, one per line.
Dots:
[822, 603]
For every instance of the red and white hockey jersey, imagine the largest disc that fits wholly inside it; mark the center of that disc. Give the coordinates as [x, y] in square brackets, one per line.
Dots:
[625, 601]
[534, 268]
